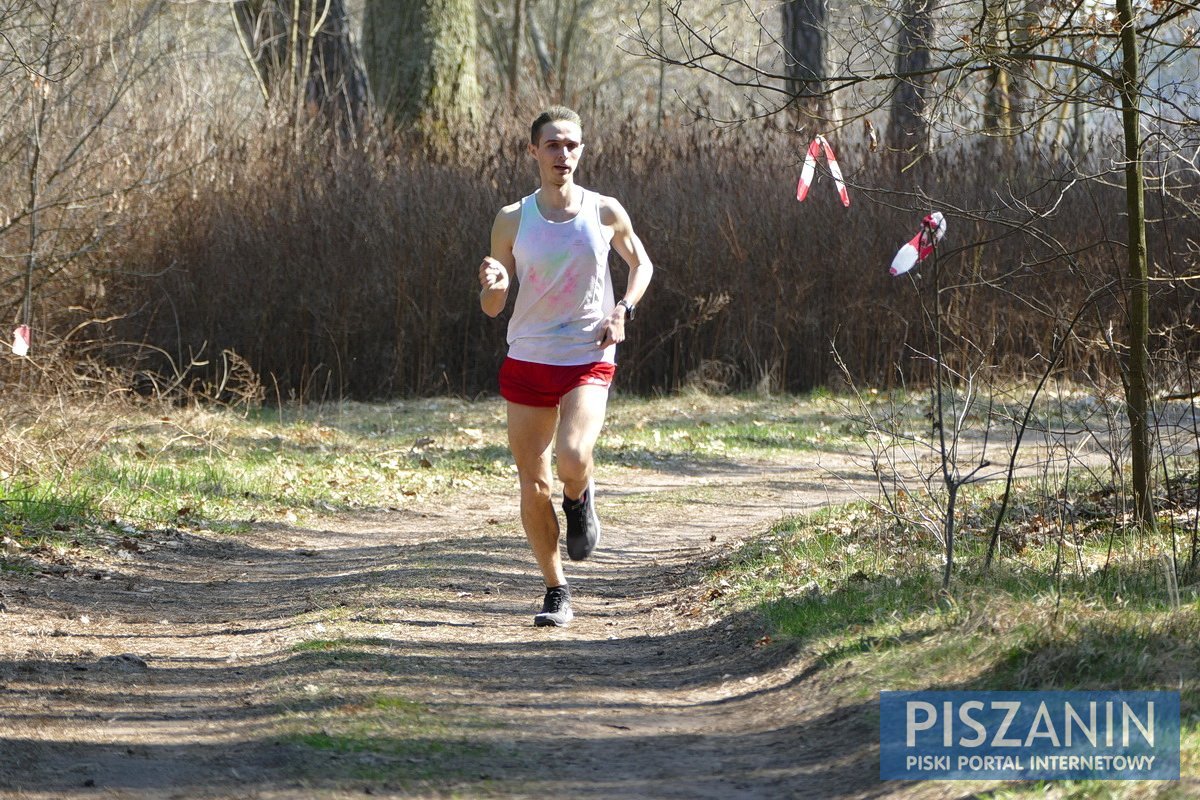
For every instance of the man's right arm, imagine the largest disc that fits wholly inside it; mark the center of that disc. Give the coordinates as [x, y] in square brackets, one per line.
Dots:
[495, 273]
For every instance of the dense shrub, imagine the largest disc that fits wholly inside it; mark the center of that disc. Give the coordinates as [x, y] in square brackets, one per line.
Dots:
[339, 270]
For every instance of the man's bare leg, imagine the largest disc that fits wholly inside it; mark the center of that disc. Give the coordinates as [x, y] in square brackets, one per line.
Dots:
[581, 417]
[530, 437]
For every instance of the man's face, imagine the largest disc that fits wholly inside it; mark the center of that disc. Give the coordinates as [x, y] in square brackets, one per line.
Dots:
[557, 153]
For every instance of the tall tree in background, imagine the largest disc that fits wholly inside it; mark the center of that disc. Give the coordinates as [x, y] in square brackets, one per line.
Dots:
[908, 128]
[514, 64]
[1074, 53]
[999, 116]
[303, 57]
[1130, 87]
[68, 71]
[551, 32]
[804, 48]
[420, 56]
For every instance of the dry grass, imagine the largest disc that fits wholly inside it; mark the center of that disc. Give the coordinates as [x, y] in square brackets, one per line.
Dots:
[190, 222]
[351, 272]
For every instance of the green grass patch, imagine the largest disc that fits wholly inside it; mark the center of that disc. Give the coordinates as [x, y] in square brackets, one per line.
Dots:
[43, 522]
[1075, 607]
[46, 508]
[377, 735]
[391, 738]
[226, 471]
[701, 427]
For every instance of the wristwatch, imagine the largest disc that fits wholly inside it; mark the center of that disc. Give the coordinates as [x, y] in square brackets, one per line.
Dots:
[629, 308]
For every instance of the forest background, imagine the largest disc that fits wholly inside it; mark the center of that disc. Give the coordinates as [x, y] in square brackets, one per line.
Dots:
[284, 203]
[300, 192]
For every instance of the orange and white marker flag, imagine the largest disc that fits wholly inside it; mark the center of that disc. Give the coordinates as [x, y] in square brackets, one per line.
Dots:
[810, 166]
[933, 228]
[20, 344]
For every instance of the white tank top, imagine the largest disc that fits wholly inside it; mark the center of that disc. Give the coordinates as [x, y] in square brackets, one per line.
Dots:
[565, 289]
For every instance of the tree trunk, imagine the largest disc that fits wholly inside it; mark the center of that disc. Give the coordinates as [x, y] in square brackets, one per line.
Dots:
[336, 84]
[514, 65]
[804, 46]
[997, 106]
[540, 49]
[302, 54]
[1136, 392]
[420, 56]
[997, 103]
[908, 129]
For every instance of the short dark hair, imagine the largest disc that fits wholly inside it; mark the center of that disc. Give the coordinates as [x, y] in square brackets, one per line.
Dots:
[552, 114]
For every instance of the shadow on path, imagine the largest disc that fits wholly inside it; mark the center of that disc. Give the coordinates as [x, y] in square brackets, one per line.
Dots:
[400, 659]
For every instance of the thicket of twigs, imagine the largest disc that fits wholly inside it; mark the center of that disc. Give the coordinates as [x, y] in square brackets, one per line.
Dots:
[163, 225]
[341, 270]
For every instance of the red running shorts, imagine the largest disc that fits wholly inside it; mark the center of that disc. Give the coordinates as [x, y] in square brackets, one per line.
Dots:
[543, 385]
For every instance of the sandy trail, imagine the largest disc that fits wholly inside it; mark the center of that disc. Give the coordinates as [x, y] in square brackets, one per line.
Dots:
[193, 668]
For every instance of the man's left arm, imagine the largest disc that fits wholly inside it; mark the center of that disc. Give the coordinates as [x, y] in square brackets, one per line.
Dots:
[633, 253]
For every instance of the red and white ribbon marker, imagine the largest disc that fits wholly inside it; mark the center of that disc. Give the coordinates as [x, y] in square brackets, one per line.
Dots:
[20, 345]
[933, 228]
[810, 167]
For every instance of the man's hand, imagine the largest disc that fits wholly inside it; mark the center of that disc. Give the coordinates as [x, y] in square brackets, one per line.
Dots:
[612, 329]
[492, 275]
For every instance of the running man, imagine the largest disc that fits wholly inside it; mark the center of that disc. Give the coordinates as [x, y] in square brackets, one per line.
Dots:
[562, 341]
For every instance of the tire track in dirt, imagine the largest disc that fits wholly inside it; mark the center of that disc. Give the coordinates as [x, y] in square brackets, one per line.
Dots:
[639, 698]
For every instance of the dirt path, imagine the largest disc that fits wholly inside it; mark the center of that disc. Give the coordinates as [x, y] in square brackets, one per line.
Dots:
[394, 655]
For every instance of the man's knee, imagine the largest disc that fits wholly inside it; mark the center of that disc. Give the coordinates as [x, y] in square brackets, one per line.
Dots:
[574, 463]
[535, 488]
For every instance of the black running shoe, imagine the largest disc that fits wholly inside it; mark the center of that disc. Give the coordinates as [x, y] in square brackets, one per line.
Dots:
[556, 608]
[583, 526]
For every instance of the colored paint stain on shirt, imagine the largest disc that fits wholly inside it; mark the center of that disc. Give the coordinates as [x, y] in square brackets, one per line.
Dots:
[566, 288]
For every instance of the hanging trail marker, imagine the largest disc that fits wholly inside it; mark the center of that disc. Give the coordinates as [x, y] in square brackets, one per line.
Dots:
[20, 345]
[810, 166]
[871, 135]
[933, 228]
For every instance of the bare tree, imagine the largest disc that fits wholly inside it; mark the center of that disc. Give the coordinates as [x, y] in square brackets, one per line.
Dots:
[303, 57]
[804, 49]
[553, 31]
[76, 152]
[514, 59]
[1073, 56]
[420, 57]
[908, 128]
